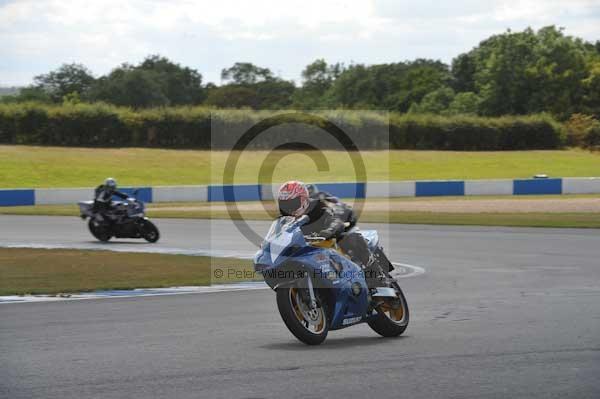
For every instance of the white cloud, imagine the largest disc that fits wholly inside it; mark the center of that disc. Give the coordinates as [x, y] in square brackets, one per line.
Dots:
[39, 35]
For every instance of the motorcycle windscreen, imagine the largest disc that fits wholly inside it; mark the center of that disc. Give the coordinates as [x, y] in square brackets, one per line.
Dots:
[281, 236]
[277, 227]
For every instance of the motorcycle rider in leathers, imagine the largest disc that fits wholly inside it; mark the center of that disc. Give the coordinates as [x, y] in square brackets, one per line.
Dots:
[328, 218]
[104, 193]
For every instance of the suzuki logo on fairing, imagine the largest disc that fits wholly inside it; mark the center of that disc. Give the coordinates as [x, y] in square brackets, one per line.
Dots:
[351, 320]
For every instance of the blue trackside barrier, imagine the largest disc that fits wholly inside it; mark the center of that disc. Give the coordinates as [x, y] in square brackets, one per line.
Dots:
[537, 186]
[17, 197]
[344, 190]
[256, 192]
[437, 188]
[233, 193]
[144, 193]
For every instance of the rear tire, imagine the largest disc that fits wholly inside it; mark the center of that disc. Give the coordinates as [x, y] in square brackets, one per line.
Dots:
[150, 231]
[391, 322]
[98, 231]
[294, 315]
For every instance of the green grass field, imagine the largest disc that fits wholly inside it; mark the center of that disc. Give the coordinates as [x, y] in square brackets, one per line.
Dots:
[255, 211]
[42, 271]
[39, 167]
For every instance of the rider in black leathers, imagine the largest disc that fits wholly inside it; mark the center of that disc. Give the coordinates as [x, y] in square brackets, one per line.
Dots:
[104, 193]
[328, 218]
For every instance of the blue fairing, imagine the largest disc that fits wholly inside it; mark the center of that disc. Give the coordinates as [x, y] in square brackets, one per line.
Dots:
[285, 244]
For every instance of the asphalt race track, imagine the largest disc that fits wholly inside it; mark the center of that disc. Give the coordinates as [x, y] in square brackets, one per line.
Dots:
[499, 313]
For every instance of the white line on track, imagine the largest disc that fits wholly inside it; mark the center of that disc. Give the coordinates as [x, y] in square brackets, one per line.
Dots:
[138, 292]
[145, 249]
[402, 270]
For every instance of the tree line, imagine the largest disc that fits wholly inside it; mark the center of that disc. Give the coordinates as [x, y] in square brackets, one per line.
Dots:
[512, 73]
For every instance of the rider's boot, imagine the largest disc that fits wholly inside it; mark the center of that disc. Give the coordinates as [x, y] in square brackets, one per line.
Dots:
[374, 276]
[355, 246]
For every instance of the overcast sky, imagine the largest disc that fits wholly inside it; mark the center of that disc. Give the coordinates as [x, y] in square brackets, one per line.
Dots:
[284, 35]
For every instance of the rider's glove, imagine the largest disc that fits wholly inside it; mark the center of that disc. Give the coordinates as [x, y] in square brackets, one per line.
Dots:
[326, 234]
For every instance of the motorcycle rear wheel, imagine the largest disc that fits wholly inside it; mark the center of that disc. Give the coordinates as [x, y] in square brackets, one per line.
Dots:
[98, 231]
[391, 321]
[308, 325]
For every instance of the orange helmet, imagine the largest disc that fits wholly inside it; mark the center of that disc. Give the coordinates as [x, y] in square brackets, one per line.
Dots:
[293, 198]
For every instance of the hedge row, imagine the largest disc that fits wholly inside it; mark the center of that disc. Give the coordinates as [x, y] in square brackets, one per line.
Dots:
[476, 133]
[101, 125]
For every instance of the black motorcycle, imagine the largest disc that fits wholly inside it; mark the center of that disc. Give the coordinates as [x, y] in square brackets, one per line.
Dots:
[125, 219]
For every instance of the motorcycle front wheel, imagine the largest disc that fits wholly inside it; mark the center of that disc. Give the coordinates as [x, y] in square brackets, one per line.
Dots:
[308, 325]
[150, 231]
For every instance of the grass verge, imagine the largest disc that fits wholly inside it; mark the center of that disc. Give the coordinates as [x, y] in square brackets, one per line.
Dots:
[50, 271]
[533, 219]
[39, 167]
[255, 211]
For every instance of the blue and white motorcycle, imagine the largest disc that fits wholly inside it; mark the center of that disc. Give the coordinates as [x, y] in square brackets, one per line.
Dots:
[320, 289]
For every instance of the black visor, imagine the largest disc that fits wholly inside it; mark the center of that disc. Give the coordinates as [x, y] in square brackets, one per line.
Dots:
[288, 207]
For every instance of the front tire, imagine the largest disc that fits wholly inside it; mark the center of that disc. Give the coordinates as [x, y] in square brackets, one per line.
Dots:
[150, 231]
[392, 317]
[308, 325]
